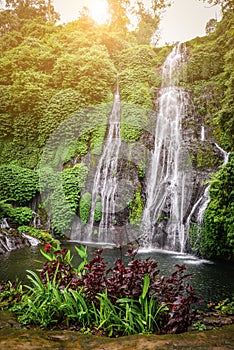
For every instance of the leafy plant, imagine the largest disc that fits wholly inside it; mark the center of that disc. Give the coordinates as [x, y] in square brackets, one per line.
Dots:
[224, 307]
[136, 207]
[21, 215]
[199, 326]
[5, 208]
[17, 183]
[98, 209]
[10, 293]
[41, 305]
[85, 206]
[218, 233]
[73, 181]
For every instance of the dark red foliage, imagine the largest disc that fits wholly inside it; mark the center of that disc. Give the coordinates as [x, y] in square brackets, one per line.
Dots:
[179, 297]
[59, 269]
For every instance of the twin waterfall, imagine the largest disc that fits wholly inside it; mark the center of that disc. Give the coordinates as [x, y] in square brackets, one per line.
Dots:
[171, 187]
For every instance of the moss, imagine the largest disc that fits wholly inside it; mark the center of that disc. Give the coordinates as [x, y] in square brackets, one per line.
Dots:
[98, 210]
[136, 207]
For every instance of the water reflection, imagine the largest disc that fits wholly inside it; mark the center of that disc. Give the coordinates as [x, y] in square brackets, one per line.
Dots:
[211, 280]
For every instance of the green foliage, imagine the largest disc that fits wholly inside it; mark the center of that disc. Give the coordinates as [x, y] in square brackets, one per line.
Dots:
[148, 20]
[5, 208]
[79, 133]
[210, 71]
[218, 234]
[119, 18]
[136, 207]
[61, 193]
[98, 209]
[134, 119]
[225, 115]
[31, 9]
[226, 306]
[45, 308]
[62, 214]
[21, 215]
[10, 293]
[138, 76]
[18, 184]
[73, 181]
[50, 72]
[128, 316]
[92, 78]
[199, 326]
[97, 125]
[195, 238]
[61, 106]
[85, 206]
[205, 157]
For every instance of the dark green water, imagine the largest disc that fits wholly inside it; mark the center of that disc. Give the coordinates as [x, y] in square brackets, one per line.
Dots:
[212, 281]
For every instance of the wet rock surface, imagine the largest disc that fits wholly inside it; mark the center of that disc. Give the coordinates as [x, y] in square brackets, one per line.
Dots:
[12, 239]
[12, 336]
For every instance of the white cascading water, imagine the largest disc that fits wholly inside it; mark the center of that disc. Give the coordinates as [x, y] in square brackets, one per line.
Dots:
[205, 199]
[105, 180]
[4, 224]
[32, 240]
[202, 133]
[168, 184]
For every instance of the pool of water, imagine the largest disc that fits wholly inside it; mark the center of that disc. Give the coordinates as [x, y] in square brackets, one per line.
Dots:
[212, 281]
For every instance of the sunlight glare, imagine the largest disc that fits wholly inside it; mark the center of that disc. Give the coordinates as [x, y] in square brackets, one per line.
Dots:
[99, 11]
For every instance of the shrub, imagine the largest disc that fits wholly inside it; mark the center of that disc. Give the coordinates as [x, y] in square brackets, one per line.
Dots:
[18, 184]
[10, 293]
[21, 215]
[85, 206]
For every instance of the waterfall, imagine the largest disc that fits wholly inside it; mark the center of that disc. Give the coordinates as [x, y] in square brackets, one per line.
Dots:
[205, 199]
[224, 153]
[36, 220]
[168, 184]
[4, 224]
[202, 133]
[105, 180]
[32, 240]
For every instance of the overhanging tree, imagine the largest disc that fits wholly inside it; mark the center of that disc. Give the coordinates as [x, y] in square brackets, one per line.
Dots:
[225, 4]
